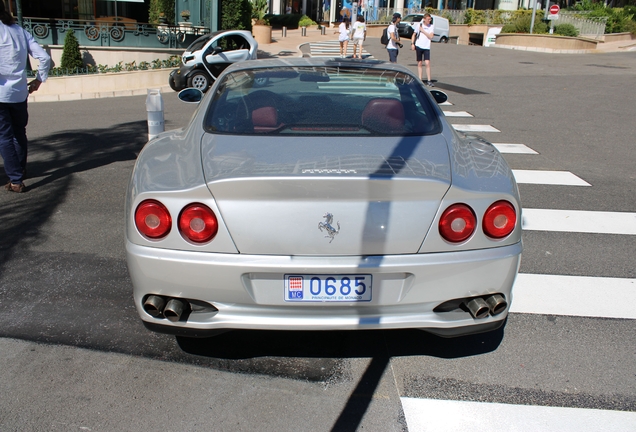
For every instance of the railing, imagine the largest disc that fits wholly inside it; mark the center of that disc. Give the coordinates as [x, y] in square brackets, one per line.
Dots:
[113, 33]
[591, 27]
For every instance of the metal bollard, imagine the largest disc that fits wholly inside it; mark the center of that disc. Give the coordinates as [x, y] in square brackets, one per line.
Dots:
[303, 31]
[154, 106]
[284, 31]
[323, 30]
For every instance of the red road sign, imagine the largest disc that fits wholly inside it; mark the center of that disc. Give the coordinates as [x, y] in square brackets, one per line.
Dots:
[554, 9]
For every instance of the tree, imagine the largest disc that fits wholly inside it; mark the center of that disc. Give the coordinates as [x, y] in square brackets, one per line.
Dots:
[71, 55]
[236, 14]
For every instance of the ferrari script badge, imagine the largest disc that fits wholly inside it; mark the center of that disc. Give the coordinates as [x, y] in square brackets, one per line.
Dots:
[326, 225]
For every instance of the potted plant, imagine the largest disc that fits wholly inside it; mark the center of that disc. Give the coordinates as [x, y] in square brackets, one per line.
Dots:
[261, 29]
[185, 14]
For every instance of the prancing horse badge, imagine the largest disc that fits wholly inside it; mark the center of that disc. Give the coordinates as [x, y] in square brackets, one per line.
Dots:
[326, 225]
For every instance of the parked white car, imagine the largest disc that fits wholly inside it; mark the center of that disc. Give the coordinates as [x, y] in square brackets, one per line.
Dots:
[441, 27]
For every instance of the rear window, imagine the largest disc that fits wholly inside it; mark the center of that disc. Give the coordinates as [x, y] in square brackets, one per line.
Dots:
[310, 101]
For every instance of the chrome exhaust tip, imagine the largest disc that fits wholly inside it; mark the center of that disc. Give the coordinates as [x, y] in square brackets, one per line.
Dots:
[477, 307]
[497, 304]
[174, 309]
[154, 305]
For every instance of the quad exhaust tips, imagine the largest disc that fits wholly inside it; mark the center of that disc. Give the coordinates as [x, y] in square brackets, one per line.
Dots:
[172, 308]
[480, 307]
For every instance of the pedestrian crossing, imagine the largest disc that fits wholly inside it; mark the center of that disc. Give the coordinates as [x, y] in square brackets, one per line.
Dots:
[332, 49]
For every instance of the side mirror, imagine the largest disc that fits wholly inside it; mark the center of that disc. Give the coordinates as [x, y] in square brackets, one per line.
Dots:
[190, 95]
[440, 96]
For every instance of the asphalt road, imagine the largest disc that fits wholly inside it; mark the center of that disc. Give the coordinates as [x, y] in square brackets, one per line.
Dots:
[75, 356]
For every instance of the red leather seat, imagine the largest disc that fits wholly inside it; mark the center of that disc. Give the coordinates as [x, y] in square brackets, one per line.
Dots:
[384, 114]
[265, 119]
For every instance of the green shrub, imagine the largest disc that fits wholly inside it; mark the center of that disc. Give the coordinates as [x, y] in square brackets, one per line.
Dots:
[159, 7]
[305, 21]
[236, 15]
[472, 16]
[509, 28]
[566, 30]
[631, 27]
[71, 55]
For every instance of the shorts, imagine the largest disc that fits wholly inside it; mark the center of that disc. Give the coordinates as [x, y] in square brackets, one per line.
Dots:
[393, 53]
[421, 51]
[358, 41]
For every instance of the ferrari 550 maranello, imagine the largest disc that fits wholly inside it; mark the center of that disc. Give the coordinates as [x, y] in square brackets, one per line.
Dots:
[321, 194]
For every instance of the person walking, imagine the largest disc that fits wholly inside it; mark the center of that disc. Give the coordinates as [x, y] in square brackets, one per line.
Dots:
[421, 43]
[344, 32]
[15, 46]
[359, 35]
[394, 38]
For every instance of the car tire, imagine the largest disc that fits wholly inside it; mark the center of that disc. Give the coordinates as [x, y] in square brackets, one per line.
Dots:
[199, 80]
[444, 39]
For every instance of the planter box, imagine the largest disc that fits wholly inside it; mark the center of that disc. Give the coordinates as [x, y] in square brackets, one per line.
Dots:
[262, 34]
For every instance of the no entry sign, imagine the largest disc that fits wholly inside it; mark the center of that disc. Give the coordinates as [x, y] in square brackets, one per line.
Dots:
[554, 9]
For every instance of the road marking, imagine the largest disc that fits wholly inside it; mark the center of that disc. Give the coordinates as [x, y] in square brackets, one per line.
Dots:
[579, 221]
[446, 103]
[475, 128]
[514, 148]
[562, 178]
[574, 296]
[332, 49]
[457, 114]
[451, 416]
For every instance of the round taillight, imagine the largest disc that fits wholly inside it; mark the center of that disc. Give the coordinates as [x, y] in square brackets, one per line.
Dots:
[499, 220]
[153, 219]
[457, 223]
[198, 223]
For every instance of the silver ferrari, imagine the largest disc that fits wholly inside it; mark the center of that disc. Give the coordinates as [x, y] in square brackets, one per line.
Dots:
[321, 194]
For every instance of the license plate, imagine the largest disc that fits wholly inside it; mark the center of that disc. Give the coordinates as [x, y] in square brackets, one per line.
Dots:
[328, 288]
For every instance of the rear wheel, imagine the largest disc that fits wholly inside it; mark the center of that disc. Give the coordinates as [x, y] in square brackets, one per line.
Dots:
[199, 80]
[173, 85]
[444, 39]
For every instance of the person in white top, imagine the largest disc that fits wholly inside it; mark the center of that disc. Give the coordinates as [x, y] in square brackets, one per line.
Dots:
[359, 30]
[421, 44]
[15, 46]
[394, 38]
[344, 31]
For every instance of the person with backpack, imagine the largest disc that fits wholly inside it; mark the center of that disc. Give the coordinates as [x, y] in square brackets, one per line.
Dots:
[16, 45]
[394, 38]
[421, 44]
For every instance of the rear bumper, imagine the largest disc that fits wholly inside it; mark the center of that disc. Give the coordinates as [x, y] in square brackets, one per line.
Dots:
[248, 290]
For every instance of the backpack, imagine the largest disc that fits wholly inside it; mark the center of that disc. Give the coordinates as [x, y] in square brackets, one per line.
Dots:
[384, 39]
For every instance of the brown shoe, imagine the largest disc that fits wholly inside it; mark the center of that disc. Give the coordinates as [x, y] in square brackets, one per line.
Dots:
[18, 188]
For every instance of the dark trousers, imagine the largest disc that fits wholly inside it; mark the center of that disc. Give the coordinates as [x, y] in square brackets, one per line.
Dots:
[13, 140]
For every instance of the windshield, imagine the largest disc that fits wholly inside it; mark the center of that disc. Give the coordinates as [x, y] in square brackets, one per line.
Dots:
[328, 100]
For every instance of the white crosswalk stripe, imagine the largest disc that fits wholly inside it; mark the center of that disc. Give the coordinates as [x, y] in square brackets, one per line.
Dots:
[579, 221]
[574, 296]
[457, 114]
[475, 128]
[423, 415]
[563, 178]
[514, 148]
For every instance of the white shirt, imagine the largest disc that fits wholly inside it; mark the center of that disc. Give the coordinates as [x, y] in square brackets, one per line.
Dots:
[392, 29]
[421, 40]
[359, 29]
[15, 46]
[344, 32]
